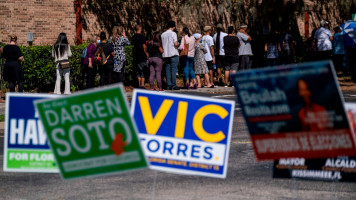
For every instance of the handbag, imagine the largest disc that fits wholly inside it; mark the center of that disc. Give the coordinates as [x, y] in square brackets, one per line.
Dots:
[184, 52]
[64, 64]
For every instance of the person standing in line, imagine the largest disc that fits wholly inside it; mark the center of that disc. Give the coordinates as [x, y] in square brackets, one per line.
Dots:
[120, 41]
[106, 69]
[338, 50]
[89, 64]
[189, 59]
[287, 46]
[245, 48]
[200, 64]
[272, 49]
[140, 56]
[155, 51]
[231, 45]
[170, 55]
[61, 52]
[13, 72]
[324, 38]
[208, 42]
[219, 53]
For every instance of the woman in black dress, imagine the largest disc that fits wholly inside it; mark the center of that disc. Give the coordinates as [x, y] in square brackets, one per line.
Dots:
[13, 72]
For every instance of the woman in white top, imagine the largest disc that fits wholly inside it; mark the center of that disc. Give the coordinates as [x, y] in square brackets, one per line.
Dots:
[189, 60]
[61, 51]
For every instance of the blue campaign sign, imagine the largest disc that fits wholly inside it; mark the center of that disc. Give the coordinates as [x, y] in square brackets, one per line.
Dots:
[184, 134]
[25, 146]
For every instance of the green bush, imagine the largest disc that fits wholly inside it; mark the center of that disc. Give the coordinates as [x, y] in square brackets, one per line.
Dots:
[40, 70]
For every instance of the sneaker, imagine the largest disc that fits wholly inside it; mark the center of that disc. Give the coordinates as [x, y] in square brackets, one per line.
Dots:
[161, 90]
[175, 88]
[143, 88]
[225, 85]
[169, 87]
[152, 89]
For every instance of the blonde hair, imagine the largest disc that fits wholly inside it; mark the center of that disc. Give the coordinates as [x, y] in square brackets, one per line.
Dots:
[117, 31]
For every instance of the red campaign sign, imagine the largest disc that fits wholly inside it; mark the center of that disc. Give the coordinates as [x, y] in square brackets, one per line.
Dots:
[295, 111]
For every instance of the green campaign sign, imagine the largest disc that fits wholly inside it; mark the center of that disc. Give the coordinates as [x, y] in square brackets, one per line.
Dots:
[91, 133]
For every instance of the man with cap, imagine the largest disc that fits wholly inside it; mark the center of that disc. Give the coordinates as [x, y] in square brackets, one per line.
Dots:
[245, 47]
[324, 38]
[219, 53]
[208, 42]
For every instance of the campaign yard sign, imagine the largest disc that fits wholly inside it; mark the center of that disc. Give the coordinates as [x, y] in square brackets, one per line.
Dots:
[92, 133]
[25, 145]
[184, 134]
[294, 111]
[341, 168]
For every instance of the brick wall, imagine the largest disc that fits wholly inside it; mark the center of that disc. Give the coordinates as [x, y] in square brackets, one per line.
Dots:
[44, 18]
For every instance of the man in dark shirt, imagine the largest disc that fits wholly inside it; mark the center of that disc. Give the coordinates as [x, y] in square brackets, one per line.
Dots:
[139, 56]
[231, 47]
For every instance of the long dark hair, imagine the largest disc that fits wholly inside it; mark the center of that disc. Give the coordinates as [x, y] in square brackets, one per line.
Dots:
[61, 44]
[186, 31]
[156, 40]
[218, 40]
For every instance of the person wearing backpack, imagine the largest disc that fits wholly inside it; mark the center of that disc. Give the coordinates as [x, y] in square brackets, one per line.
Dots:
[104, 57]
[89, 65]
[61, 52]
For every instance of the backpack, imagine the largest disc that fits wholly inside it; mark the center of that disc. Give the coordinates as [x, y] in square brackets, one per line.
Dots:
[100, 57]
[84, 53]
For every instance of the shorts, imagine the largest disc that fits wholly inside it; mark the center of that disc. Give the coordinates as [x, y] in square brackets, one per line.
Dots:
[210, 65]
[140, 68]
[220, 61]
[232, 63]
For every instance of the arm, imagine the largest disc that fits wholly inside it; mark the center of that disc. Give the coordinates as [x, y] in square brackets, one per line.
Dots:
[266, 46]
[1, 50]
[181, 46]
[69, 52]
[175, 39]
[161, 50]
[279, 47]
[212, 53]
[145, 49]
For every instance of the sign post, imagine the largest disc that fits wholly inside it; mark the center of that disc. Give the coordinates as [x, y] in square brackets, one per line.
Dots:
[91, 133]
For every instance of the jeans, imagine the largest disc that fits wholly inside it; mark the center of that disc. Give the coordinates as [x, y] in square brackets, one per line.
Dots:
[189, 68]
[171, 70]
[62, 72]
[155, 65]
[90, 78]
[244, 62]
[105, 72]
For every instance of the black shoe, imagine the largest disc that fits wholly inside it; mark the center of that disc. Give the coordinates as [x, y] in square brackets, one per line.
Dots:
[175, 88]
[221, 83]
[169, 88]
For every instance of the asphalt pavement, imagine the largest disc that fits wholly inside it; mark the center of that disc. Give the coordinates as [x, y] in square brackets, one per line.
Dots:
[246, 178]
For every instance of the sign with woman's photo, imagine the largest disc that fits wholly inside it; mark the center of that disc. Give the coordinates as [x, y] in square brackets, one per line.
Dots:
[341, 168]
[294, 111]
